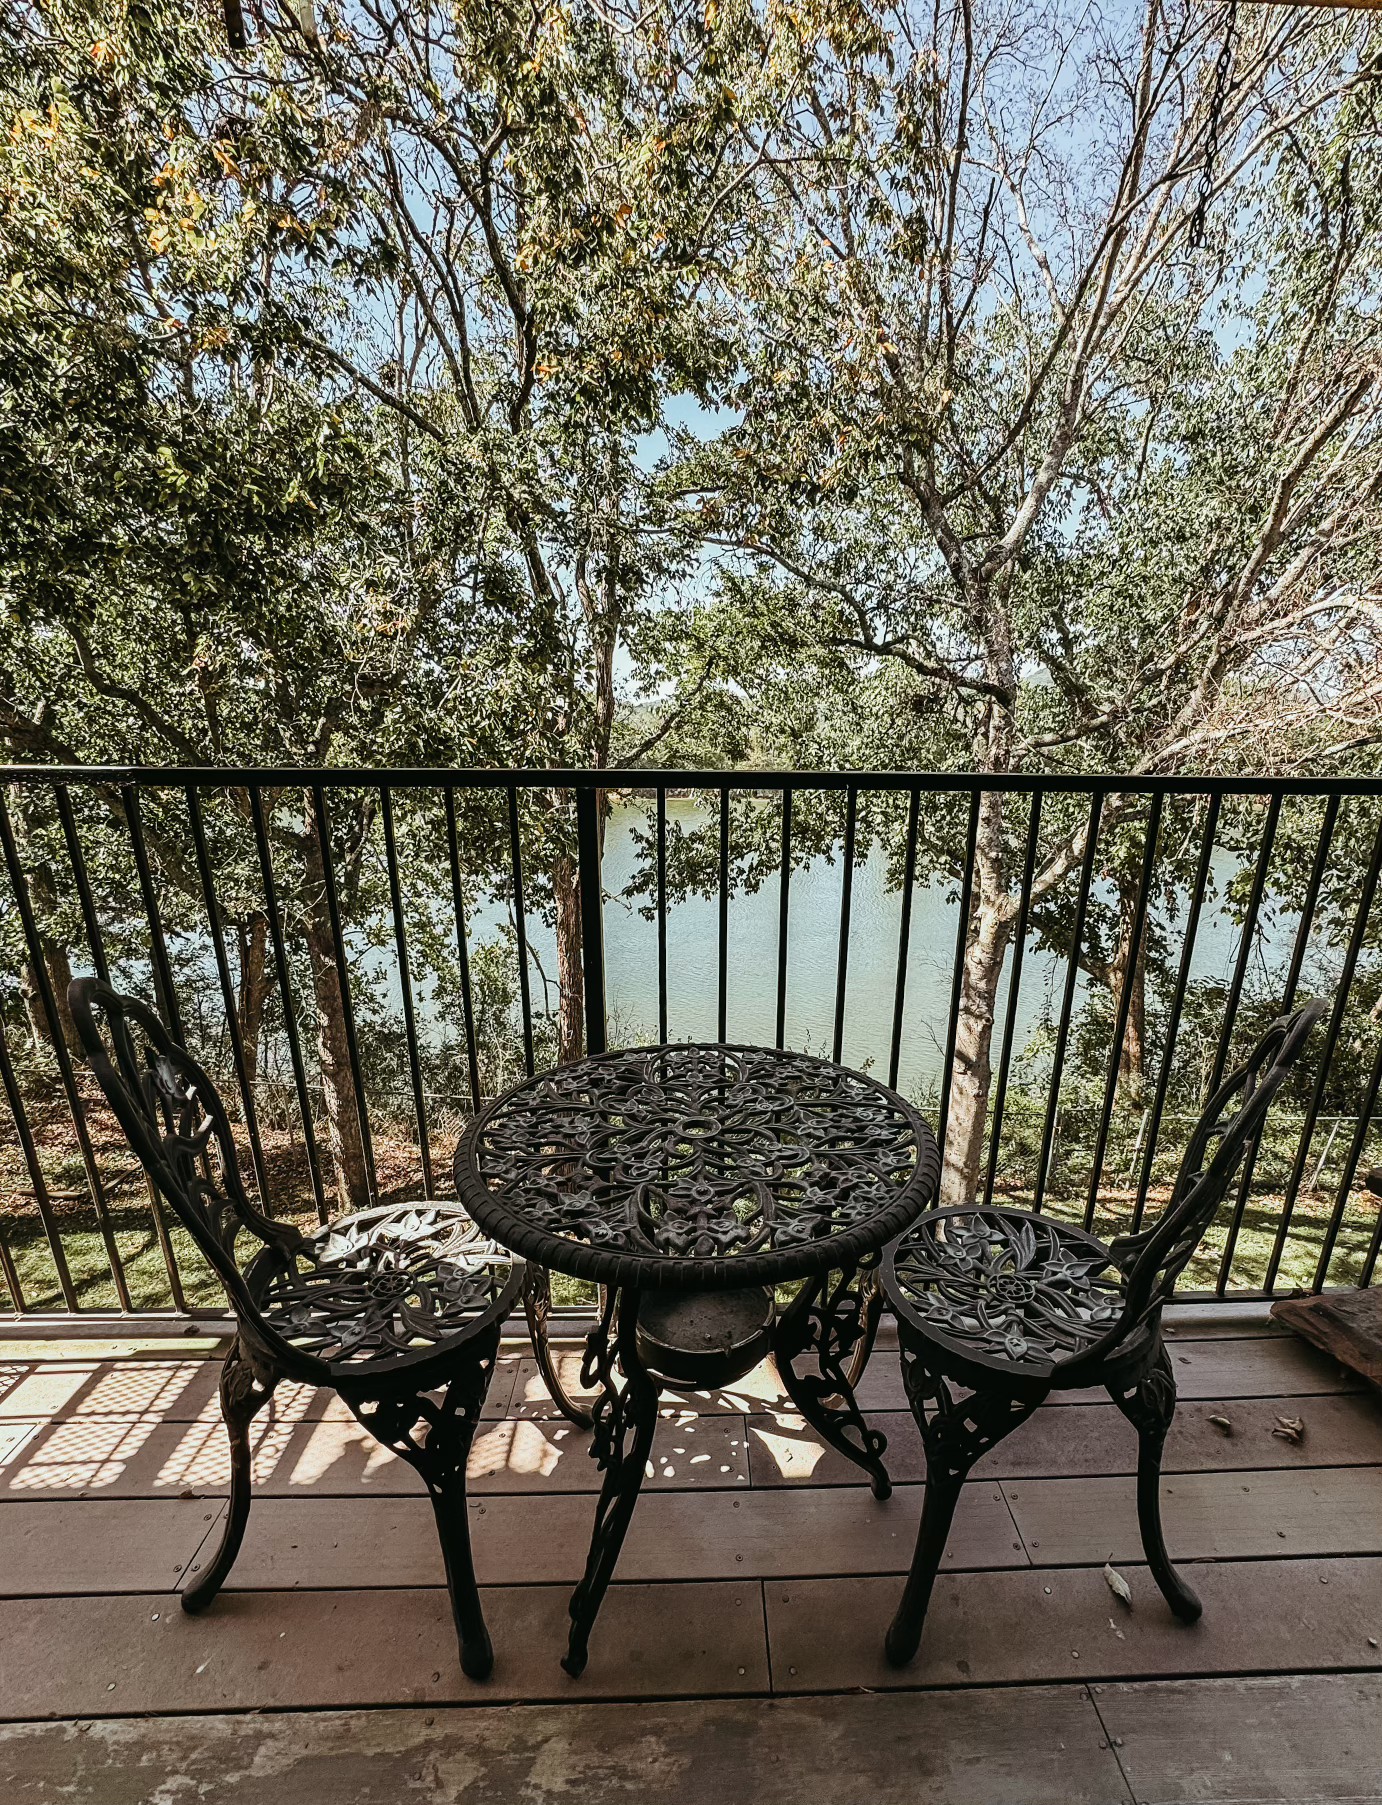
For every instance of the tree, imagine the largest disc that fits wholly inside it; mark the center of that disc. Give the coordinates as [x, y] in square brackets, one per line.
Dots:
[1043, 485]
[330, 365]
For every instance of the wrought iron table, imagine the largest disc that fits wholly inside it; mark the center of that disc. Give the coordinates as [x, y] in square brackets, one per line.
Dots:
[692, 1182]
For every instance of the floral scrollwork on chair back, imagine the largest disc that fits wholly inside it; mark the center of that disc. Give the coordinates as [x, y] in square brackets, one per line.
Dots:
[1154, 1258]
[176, 1123]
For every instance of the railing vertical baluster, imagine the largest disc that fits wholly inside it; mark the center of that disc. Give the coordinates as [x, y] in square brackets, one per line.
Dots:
[1336, 1022]
[34, 942]
[10, 1273]
[784, 894]
[957, 976]
[96, 941]
[237, 1044]
[38, 1182]
[722, 994]
[592, 918]
[662, 913]
[285, 997]
[904, 934]
[846, 903]
[75, 857]
[520, 925]
[338, 947]
[1312, 897]
[1312, 892]
[1124, 1010]
[453, 853]
[1361, 1130]
[1365, 1277]
[1187, 955]
[1048, 1133]
[1000, 1095]
[1240, 964]
[165, 993]
[405, 984]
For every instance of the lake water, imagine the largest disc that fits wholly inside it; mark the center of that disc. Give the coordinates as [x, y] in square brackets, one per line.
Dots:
[812, 955]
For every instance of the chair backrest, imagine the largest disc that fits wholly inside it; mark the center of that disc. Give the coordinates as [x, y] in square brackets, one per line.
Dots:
[176, 1123]
[1153, 1259]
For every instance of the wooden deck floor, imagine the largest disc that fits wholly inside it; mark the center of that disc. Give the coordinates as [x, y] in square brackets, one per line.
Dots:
[739, 1656]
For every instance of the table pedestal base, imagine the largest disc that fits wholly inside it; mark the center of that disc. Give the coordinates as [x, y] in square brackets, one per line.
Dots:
[830, 1324]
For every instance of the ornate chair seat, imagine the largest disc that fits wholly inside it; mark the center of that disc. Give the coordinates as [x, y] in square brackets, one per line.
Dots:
[383, 1283]
[1007, 1289]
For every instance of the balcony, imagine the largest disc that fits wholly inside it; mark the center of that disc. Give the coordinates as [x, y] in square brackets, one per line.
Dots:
[364, 957]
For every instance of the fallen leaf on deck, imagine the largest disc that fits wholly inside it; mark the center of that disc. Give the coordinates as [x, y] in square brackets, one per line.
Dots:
[1290, 1428]
[1116, 1584]
[1222, 1424]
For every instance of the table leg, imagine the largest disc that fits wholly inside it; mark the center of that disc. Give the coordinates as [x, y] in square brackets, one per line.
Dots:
[624, 1420]
[830, 1319]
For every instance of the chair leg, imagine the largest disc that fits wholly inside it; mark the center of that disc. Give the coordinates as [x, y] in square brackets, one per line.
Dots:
[955, 1432]
[246, 1387]
[434, 1436]
[1150, 1408]
[937, 1513]
[449, 1507]
[537, 1306]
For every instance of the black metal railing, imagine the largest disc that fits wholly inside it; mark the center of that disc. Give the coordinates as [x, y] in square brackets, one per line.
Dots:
[362, 957]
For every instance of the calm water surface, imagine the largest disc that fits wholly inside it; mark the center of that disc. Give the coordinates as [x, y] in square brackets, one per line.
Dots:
[812, 957]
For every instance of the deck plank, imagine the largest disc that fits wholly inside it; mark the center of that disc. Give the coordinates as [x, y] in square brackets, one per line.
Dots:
[1049, 1624]
[391, 1542]
[1043, 1746]
[88, 1657]
[1206, 1516]
[182, 1391]
[1063, 1441]
[1306, 1737]
[146, 1457]
[1264, 1366]
[50, 1547]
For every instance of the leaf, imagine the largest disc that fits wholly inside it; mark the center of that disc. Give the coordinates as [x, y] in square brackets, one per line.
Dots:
[1222, 1424]
[1290, 1428]
[1116, 1584]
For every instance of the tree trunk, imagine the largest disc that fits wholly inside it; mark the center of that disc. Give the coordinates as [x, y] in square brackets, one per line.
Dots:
[339, 1093]
[972, 1073]
[56, 960]
[59, 968]
[566, 888]
[253, 989]
[1132, 1053]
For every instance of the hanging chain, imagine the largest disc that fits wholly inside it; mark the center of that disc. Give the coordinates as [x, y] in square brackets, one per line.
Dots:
[1223, 69]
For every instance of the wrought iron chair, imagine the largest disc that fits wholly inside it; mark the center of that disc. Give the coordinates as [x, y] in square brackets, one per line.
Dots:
[996, 1308]
[398, 1309]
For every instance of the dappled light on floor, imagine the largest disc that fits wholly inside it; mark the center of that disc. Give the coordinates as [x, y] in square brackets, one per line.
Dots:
[517, 1446]
[81, 1454]
[793, 1449]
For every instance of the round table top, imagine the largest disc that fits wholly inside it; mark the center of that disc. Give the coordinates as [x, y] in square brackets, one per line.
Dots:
[697, 1167]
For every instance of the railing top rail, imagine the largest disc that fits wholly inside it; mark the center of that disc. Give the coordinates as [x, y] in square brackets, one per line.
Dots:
[453, 777]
